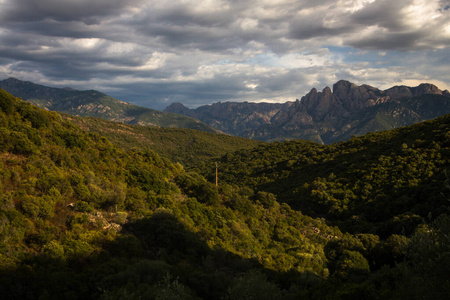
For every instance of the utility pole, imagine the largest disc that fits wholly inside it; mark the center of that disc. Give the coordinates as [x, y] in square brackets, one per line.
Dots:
[217, 174]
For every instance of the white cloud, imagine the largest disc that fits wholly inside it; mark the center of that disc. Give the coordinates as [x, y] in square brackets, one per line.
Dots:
[421, 13]
[83, 43]
[212, 50]
[354, 5]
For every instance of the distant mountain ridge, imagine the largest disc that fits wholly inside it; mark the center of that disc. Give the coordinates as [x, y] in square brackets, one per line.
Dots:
[91, 103]
[327, 116]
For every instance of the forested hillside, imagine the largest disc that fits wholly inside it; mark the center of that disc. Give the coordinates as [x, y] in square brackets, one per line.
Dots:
[191, 148]
[83, 218]
[374, 183]
[78, 214]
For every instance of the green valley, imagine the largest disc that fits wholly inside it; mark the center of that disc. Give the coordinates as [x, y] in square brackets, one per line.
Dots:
[91, 209]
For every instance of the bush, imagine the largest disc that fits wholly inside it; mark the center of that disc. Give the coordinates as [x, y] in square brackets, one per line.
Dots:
[254, 285]
[351, 263]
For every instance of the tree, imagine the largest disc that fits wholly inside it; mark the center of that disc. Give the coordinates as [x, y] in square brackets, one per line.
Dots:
[254, 285]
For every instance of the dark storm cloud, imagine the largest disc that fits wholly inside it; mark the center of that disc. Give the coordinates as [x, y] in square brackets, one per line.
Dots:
[182, 27]
[191, 37]
[311, 27]
[52, 28]
[193, 94]
[390, 41]
[383, 13]
[401, 25]
[185, 15]
[87, 11]
[203, 51]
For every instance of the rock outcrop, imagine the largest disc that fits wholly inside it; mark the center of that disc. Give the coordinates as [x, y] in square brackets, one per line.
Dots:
[327, 116]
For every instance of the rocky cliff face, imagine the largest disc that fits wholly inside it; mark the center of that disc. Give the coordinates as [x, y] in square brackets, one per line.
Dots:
[327, 116]
[179, 108]
[231, 117]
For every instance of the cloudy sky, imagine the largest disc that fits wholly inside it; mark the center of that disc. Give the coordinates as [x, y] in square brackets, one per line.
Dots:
[153, 53]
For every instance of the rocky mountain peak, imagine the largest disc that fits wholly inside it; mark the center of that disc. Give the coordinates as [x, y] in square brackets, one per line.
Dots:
[342, 88]
[329, 115]
[177, 105]
[399, 92]
[313, 91]
[11, 81]
[179, 108]
[402, 92]
[320, 104]
[426, 88]
[326, 91]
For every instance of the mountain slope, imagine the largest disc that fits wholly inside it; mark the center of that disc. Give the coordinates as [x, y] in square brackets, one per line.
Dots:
[234, 118]
[81, 218]
[79, 215]
[189, 147]
[372, 183]
[96, 104]
[327, 116]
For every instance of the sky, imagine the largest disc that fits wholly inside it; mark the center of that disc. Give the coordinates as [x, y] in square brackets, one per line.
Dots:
[197, 52]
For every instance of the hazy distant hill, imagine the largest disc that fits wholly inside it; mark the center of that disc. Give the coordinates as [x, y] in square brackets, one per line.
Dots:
[327, 116]
[96, 104]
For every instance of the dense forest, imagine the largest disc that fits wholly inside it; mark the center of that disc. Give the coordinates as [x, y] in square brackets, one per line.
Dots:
[189, 147]
[381, 183]
[83, 216]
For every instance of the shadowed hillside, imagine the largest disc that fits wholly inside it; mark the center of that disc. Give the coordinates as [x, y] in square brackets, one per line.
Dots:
[82, 218]
[372, 183]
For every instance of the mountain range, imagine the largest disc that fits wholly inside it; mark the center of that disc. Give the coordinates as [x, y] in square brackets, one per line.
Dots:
[328, 116]
[90, 216]
[91, 103]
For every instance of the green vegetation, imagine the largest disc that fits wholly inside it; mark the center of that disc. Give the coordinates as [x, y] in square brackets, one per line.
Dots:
[84, 218]
[191, 148]
[381, 183]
